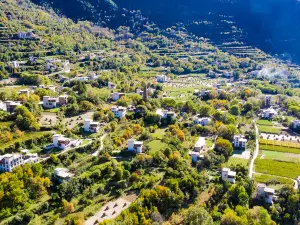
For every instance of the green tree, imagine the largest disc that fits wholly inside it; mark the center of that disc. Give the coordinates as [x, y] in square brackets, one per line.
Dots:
[197, 216]
[223, 147]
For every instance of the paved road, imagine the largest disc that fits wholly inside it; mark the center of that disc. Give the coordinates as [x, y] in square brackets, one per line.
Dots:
[67, 150]
[255, 152]
[101, 146]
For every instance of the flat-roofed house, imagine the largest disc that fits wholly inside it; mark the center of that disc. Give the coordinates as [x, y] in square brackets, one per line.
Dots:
[162, 79]
[119, 111]
[11, 106]
[60, 141]
[49, 102]
[90, 126]
[116, 96]
[111, 85]
[63, 100]
[135, 146]
[166, 114]
[239, 141]
[200, 144]
[62, 174]
[10, 161]
[263, 192]
[269, 113]
[204, 121]
[296, 124]
[228, 175]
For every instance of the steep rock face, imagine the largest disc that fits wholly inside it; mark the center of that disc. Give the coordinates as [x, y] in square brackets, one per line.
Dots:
[272, 25]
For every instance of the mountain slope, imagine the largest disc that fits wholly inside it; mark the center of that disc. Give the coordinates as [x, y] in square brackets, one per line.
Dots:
[271, 25]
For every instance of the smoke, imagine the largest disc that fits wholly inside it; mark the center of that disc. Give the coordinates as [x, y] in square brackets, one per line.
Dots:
[273, 73]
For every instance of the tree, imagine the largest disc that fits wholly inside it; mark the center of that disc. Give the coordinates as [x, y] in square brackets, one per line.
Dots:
[85, 106]
[25, 119]
[235, 110]
[197, 216]
[68, 206]
[205, 110]
[227, 131]
[223, 147]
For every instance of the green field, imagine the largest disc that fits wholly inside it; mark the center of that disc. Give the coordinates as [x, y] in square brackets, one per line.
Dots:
[281, 156]
[268, 129]
[269, 179]
[279, 149]
[234, 161]
[265, 122]
[156, 145]
[279, 168]
[55, 110]
[159, 133]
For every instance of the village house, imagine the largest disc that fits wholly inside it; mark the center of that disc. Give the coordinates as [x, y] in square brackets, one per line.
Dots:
[200, 144]
[53, 102]
[10, 161]
[265, 193]
[196, 156]
[269, 113]
[25, 92]
[239, 141]
[111, 85]
[139, 92]
[162, 79]
[116, 96]
[14, 64]
[166, 114]
[135, 146]
[119, 111]
[204, 121]
[10, 106]
[90, 126]
[228, 175]
[62, 174]
[61, 142]
[296, 124]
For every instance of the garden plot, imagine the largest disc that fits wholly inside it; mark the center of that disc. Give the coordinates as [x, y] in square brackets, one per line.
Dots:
[233, 161]
[280, 137]
[48, 119]
[72, 122]
[280, 156]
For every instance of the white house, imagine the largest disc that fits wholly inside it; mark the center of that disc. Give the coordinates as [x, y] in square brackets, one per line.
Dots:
[25, 92]
[162, 79]
[228, 175]
[90, 126]
[204, 121]
[9, 161]
[296, 124]
[116, 96]
[239, 141]
[165, 114]
[15, 64]
[135, 146]
[263, 192]
[119, 111]
[62, 174]
[60, 141]
[111, 85]
[10, 106]
[269, 113]
[49, 102]
[200, 144]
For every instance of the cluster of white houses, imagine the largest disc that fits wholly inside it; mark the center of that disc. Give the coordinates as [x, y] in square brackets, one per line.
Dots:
[10, 161]
[53, 102]
[204, 121]
[166, 114]
[269, 113]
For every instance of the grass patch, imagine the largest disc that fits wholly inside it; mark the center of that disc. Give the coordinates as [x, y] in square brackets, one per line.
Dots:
[281, 156]
[209, 143]
[233, 161]
[55, 110]
[24, 138]
[279, 149]
[269, 179]
[159, 133]
[156, 145]
[268, 129]
[6, 124]
[279, 168]
[265, 122]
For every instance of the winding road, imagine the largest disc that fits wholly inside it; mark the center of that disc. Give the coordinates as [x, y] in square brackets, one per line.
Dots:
[101, 146]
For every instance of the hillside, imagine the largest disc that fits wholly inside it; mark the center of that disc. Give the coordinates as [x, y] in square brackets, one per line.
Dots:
[269, 25]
